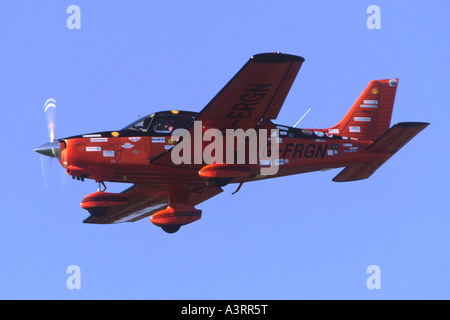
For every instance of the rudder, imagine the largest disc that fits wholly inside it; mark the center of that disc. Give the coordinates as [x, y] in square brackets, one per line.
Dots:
[370, 116]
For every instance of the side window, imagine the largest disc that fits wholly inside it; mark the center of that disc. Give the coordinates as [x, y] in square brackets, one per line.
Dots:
[168, 123]
[163, 124]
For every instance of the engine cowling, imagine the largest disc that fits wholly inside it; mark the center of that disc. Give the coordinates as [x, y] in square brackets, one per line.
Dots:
[99, 202]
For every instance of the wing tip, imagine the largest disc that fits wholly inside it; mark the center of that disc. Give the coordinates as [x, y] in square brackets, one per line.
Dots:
[412, 124]
[276, 57]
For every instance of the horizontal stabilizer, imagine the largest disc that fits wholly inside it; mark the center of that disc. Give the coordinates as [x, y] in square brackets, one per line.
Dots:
[397, 136]
[358, 171]
[389, 143]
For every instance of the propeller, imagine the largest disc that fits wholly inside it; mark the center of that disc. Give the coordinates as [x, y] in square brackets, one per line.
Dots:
[52, 148]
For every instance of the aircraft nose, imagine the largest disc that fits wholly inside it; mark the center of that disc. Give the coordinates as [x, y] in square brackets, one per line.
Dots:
[50, 149]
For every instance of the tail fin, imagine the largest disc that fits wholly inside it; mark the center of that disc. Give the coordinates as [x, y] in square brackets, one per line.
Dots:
[370, 116]
[389, 143]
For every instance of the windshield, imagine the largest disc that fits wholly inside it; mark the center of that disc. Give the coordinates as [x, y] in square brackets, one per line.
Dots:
[140, 125]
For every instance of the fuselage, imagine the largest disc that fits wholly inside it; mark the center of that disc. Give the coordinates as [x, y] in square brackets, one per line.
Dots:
[125, 155]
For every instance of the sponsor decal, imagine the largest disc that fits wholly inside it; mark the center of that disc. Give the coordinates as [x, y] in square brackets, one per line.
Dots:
[134, 139]
[354, 129]
[347, 145]
[99, 139]
[158, 140]
[108, 153]
[265, 162]
[335, 131]
[91, 135]
[127, 145]
[370, 101]
[307, 132]
[168, 146]
[367, 119]
[319, 133]
[89, 149]
[374, 106]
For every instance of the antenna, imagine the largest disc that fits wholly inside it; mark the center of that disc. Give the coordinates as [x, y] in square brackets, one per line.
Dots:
[302, 117]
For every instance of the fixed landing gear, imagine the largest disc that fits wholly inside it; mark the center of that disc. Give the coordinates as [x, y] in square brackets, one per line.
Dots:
[220, 182]
[100, 184]
[99, 203]
[171, 229]
[175, 215]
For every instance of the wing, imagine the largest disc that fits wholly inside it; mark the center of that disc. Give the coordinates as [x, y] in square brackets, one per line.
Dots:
[145, 200]
[257, 92]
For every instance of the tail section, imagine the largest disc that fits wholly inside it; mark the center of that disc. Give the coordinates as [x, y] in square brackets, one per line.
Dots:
[389, 143]
[370, 115]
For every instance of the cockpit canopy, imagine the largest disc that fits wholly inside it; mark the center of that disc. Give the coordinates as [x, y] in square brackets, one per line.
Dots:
[162, 123]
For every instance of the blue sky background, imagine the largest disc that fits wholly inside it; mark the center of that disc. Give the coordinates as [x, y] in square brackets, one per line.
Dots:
[297, 237]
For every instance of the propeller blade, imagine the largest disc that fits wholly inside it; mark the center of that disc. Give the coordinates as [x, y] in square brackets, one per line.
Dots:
[50, 113]
[44, 172]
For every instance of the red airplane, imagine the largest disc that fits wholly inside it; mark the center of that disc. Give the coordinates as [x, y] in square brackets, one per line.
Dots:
[142, 152]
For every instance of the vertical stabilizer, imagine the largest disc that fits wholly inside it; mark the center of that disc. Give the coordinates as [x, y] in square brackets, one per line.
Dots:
[370, 116]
